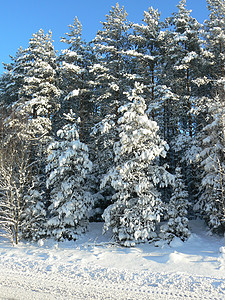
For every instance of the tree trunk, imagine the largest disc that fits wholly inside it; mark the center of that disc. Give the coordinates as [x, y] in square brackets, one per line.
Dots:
[221, 61]
[189, 103]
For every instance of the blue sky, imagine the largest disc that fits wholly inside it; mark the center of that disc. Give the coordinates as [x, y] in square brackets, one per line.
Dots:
[19, 19]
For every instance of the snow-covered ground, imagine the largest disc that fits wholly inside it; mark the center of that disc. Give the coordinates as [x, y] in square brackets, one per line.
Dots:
[94, 268]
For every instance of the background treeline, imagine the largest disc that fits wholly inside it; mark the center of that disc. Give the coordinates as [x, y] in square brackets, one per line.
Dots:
[127, 129]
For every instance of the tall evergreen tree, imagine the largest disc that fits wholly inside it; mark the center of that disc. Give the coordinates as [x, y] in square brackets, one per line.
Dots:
[215, 36]
[110, 82]
[177, 225]
[211, 159]
[12, 79]
[34, 106]
[181, 67]
[211, 137]
[111, 71]
[136, 176]
[75, 77]
[38, 96]
[67, 169]
[146, 56]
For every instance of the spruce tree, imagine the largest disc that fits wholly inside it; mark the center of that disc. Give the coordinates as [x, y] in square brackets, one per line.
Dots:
[136, 175]
[176, 212]
[68, 167]
[211, 160]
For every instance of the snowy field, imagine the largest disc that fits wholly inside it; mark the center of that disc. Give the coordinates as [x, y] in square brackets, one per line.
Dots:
[94, 268]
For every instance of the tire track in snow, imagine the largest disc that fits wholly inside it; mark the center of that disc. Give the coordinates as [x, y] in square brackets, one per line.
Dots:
[97, 283]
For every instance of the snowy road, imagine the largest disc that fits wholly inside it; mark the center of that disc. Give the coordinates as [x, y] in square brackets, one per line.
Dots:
[87, 269]
[109, 284]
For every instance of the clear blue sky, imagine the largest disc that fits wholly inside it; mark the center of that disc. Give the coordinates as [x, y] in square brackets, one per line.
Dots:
[19, 19]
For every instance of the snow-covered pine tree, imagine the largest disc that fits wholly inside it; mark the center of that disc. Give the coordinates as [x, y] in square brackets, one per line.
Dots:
[146, 56]
[136, 176]
[211, 78]
[12, 80]
[211, 203]
[111, 72]
[181, 66]
[214, 33]
[68, 167]
[110, 81]
[213, 53]
[35, 94]
[176, 212]
[31, 107]
[34, 212]
[10, 84]
[39, 101]
[74, 72]
[39, 93]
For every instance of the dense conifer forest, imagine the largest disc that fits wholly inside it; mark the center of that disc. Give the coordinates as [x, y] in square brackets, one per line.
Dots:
[127, 129]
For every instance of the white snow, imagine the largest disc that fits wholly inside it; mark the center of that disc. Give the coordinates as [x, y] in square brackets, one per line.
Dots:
[95, 268]
[72, 94]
